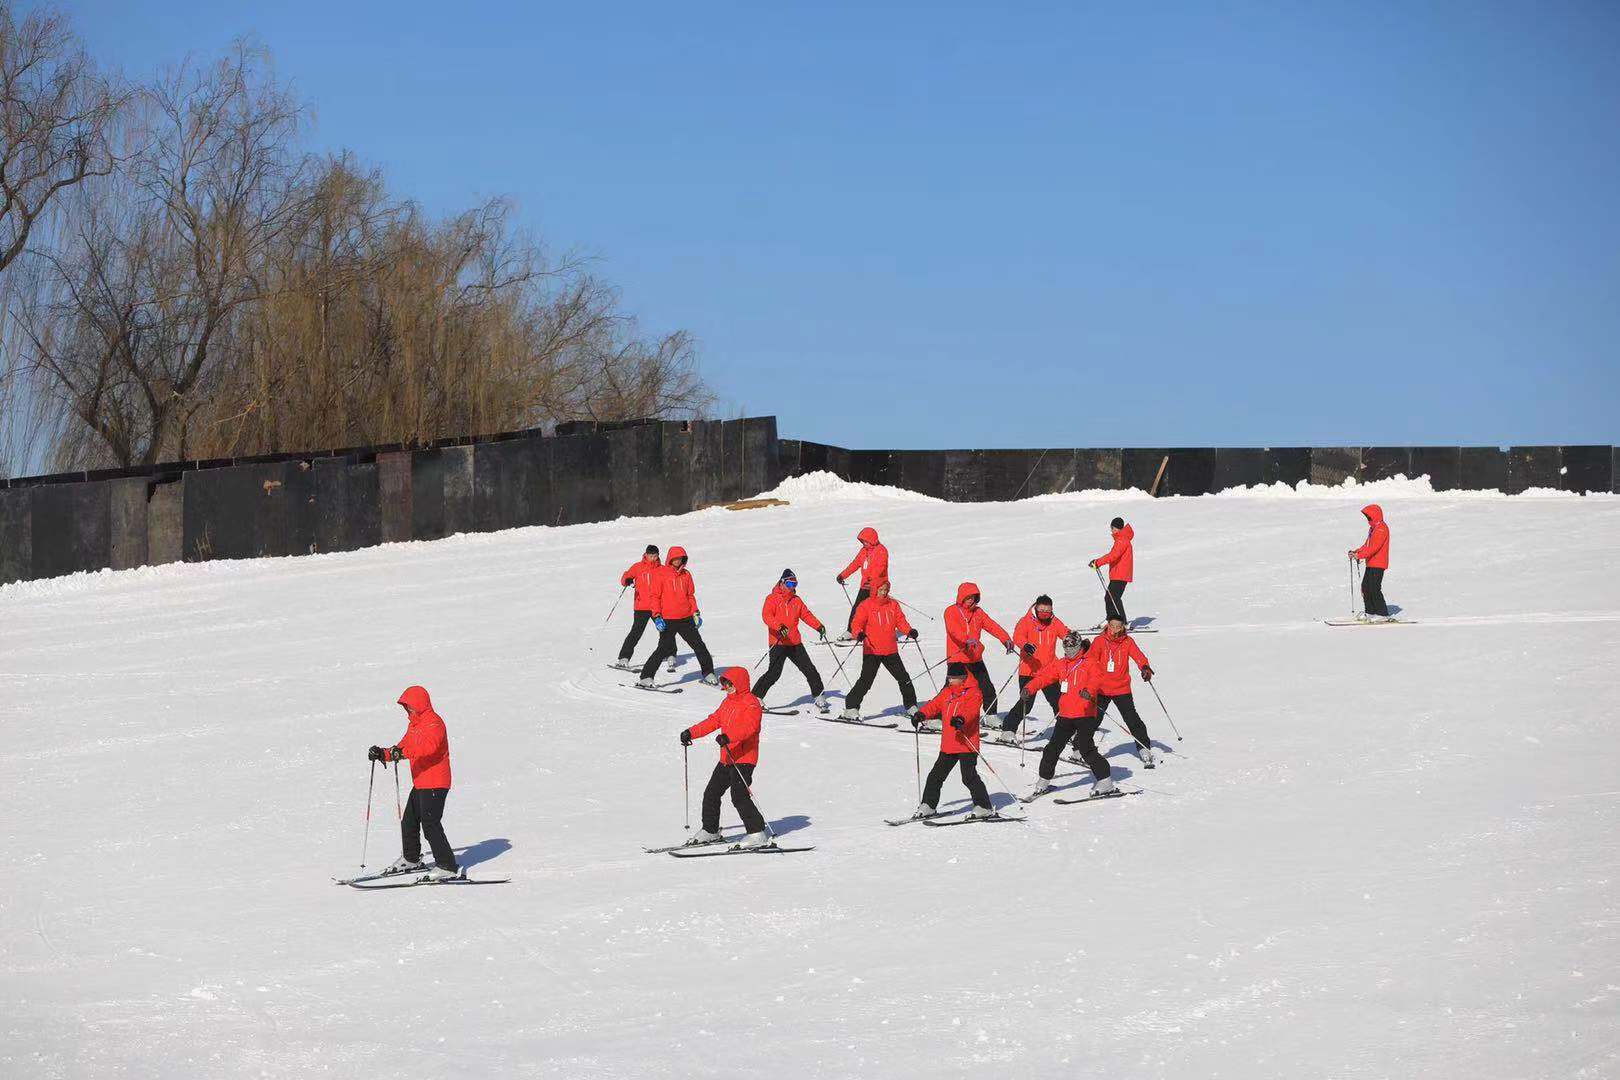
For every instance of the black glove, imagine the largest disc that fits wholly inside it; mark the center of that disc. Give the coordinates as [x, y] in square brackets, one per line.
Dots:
[627, 582]
[686, 737]
[1147, 674]
[957, 723]
[722, 739]
[840, 579]
[911, 635]
[917, 720]
[822, 630]
[1029, 650]
[395, 753]
[860, 637]
[376, 753]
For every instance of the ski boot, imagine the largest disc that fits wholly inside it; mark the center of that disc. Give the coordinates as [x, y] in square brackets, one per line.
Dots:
[850, 714]
[645, 682]
[923, 811]
[446, 873]
[703, 836]
[402, 865]
[979, 813]
[1149, 760]
[1105, 786]
[822, 704]
[754, 840]
[711, 679]
[1041, 788]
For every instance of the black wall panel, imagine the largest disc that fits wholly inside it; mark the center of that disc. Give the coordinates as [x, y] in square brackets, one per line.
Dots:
[759, 465]
[72, 528]
[1191, 472]
[1239, 468]
[512, 484]
[1587, 468]
[16, 535]
[917, 470]
[166, 521]
[874, 467]
[1289, 465]
[788, 453]
[1011, 474]
[363, 492]
[966, 478]
[581, 480]
[635, 465]
[1139, 467]
[1097, 470]
[332, 504]
[394, 495]
[731, 458]
[427, 495]
[705, 462]
[459, 513]
[1441, 464]
[1333, 465]
[675, 465]
[1482, 468]
[248, 512]
[1616, 467]
[1385, 462]
[1532, 466]
[127, 524]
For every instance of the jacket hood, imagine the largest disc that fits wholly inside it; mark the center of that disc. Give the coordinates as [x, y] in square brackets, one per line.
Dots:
[867, 535]
[675, 553]
[416, 700]
[965, 590]
[1374, 512]
[738, 678]
[1128, 533]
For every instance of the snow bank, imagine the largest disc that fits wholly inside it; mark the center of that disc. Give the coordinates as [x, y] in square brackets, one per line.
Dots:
[1394, 489]
[821, 487]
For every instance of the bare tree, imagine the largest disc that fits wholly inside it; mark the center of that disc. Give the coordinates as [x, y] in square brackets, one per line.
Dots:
[55, 109]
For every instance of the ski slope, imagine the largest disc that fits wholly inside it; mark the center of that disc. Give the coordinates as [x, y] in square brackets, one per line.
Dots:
[1382, 852]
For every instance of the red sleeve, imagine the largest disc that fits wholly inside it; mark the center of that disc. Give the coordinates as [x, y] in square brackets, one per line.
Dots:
[1059, 629]
[972, 702]
[956, 626]
[935, 704]
[810, 617]
[878, 567]
[628, 577]
[1113, 553]
[744, 726]
[423, 742]
[900, 622]
[691, 591]
[1021, 631]
[857, 625]
[1135, 653]
[706, 725]
[995, 630]
[1375, 542]
[656, 588]
[854, 564]
[1044, 678]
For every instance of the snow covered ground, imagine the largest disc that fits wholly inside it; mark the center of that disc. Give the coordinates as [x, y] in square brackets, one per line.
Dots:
[1382, 852]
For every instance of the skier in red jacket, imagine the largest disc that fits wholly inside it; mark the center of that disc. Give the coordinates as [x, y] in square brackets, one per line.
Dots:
[1036, 637]
[965, 624]
[1112, 653]
[879, 624]
[675, 611]
[1375, 552]
[737, 719]
[957, 708]
[1121, 563]
[1077, 718]
[641, 574]
[873, 563]
[426, 745]
[783, 611]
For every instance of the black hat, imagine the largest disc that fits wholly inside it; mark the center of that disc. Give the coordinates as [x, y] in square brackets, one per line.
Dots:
[1117, 523]
[786, 574]
[652, 549]
[954, 670]
[1043, 599]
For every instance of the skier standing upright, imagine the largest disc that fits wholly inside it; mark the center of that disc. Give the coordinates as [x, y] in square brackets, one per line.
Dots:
[1375, 553]
[641, 574]
[879, 625]
[783, 611]
[965, 624]
[957, 707]
[1121, 563]
[1036, 637]
[675, 611]
[737, 719]
[1077, 717]
[1112, 652]
[873, 563]
[426, 745]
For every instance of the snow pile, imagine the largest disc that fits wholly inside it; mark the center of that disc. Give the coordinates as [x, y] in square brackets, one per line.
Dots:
[1391, 490]
[822, 487]
[1379, 852]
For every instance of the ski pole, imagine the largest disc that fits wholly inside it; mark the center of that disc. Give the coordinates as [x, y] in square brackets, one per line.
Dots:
[916, 734]
[686, 782]
[366, 843]
[399, 815]
[838, 660]
[997, 775]
[1166, 712]
[744, 781]
[1108, 597]
[615, 606]
[1352, 587]
[930, 668]
[910, 607]
[761, 660]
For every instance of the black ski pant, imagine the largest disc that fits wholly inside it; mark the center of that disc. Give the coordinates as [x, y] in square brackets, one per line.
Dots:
[987, 689]
[860, 597]
[424, 814]
[1114, 601]
[1083, 733]
[725, 778]
[1015, 715]
[687, 629]
[869, 666]
[1127, 709]
[969, 765]
[801, 660]
[633, 638]
[1372, 591]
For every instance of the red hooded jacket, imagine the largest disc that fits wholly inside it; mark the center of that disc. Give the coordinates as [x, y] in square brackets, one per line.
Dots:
[963, 629]
[1112, 659]
[1376, 550]
[642, 575]
[1121, 558]
[880, 619]
[960, 702]
[1076, 674]
[872, 560]
[674, 595]
[1046, 637]
[738, 716]
[425, 744]
[782, 613]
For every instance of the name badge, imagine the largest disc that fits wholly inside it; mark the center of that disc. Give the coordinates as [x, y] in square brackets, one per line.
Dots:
[1110, 665]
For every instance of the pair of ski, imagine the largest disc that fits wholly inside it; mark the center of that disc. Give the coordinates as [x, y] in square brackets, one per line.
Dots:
[697, 849]
[1374, 621]
[384, 879]
[1117, 793]
[962, 819]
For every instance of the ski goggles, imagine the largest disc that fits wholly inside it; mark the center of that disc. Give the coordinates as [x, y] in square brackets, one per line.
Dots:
[792, 583]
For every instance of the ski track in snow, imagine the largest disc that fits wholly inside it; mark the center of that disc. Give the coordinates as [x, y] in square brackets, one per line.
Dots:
[1378, 853]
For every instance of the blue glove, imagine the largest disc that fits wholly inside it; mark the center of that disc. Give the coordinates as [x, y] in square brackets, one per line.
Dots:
[697, 621]
[659, 623]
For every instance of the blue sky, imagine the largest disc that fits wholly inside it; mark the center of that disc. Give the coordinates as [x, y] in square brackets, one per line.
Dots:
[937, 225]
